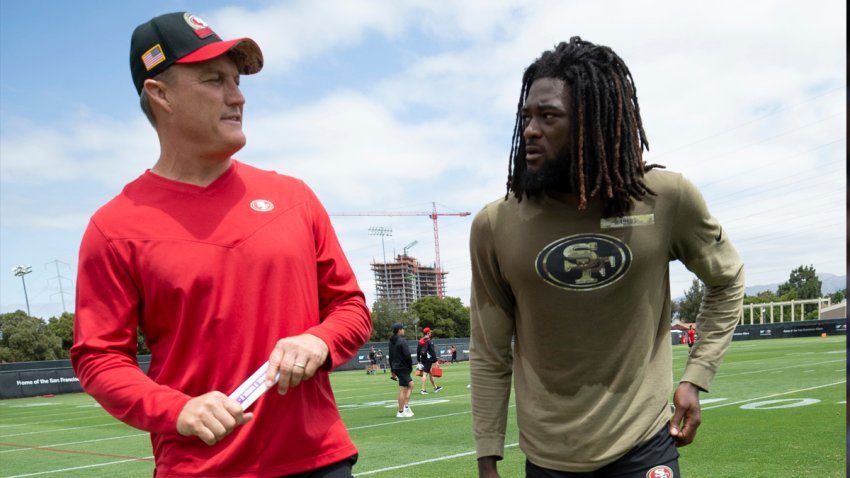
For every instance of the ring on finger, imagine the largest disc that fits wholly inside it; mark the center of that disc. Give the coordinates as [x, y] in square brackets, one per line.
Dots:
[300, 365]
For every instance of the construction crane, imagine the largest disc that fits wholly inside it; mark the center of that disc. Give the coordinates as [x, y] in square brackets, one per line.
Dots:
[433, 214]
[407, 247]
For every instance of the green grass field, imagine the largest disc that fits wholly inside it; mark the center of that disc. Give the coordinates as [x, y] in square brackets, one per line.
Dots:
[777, 409]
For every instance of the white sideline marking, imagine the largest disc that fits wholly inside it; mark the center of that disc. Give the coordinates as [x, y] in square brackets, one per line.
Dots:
[779, 368]
[416, 463]
[786, 403]
[408, 420]
[775, 395]
[711, 400]
[61, 430]
[74, 443]
[382, 403]
[11, 425]
[78, 468]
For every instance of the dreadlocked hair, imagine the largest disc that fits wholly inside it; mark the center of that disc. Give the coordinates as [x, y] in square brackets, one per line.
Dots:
[608, 139]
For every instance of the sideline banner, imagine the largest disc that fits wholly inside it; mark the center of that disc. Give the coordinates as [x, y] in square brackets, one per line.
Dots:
[806, 328]
[31, 379]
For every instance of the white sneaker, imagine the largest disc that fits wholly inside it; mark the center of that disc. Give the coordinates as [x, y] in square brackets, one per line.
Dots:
[423, 392]
[401, 415]
[408, 411]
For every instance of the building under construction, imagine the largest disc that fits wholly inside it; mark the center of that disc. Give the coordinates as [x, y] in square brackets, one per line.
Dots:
[406, 280]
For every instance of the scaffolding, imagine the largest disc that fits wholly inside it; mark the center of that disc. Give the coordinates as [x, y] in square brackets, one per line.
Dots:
[405, 280]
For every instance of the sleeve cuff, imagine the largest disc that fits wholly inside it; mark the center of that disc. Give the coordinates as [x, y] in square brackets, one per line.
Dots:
[494, 446]
[698, 375]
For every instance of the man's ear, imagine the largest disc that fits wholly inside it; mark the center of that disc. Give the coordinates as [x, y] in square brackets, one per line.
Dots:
[157, 92]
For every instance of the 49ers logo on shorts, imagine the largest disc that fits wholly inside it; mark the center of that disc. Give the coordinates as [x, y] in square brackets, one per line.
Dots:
[584, 261]
[660, 472]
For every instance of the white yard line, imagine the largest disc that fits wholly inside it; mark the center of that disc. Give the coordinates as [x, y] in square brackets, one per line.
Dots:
[400, 421]
[62, 429]
[27, 424]
[807, 364]
[774, 395]
[74, 443]
[417, 463]
[78, 468]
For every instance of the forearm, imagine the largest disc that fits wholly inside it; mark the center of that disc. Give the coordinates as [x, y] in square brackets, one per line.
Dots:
[491, 371]
[716, 321]
[117, 383]
[345, 328]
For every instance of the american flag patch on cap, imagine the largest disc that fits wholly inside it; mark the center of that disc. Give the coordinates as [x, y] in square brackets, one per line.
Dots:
[153, 57]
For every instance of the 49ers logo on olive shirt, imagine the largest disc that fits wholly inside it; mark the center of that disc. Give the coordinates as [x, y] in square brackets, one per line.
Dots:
[584, 261]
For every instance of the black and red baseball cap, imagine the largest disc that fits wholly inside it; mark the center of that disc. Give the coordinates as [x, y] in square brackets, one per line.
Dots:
[181, 37]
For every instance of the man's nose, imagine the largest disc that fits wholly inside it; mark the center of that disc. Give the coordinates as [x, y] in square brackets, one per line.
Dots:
[234, 95]
[531, 129]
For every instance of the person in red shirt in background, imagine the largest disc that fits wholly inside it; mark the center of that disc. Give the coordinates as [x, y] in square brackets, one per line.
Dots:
[222, 266]
[692, 338]
[427, 356]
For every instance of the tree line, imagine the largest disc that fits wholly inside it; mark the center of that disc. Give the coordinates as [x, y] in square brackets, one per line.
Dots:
[25, 338]
[803, 283]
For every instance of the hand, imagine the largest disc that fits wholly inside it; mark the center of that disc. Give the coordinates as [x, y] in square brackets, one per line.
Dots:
[487, 467]
[686, 419]
[297, 358]
[211, 417]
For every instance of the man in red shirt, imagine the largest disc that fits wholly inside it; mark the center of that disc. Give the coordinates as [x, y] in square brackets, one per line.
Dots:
[692, 338]
[222, 267]
[427, 356]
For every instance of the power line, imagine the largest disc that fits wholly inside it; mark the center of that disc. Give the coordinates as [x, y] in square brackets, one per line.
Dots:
[59, 278]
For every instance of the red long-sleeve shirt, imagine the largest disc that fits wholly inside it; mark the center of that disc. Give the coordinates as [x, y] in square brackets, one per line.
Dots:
[214, 276]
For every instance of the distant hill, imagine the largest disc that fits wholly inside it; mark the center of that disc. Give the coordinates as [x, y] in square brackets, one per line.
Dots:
[829, 283]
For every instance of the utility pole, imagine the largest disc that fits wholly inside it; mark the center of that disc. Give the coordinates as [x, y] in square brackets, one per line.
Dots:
[59, 278]
[21, 271]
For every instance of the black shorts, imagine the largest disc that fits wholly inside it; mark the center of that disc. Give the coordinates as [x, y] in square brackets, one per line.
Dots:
[656, 458]
[403, 376]
[426, 367]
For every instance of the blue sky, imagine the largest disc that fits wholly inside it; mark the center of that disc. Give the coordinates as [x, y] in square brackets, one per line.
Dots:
[391, 106]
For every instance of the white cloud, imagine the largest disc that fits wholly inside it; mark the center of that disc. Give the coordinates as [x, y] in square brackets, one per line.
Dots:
[746, 99]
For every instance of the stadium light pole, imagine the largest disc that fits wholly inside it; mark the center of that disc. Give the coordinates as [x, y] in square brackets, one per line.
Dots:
[383, 231]
[21, 271]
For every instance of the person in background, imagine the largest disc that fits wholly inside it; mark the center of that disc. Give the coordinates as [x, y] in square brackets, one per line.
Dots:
[223, 267]
[379, 357]
[427, 356]
[401, 366]
[692, 338]
[373, 362]
[573, 263]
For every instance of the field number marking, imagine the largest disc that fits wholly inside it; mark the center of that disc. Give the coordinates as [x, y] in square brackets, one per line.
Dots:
[786, 403]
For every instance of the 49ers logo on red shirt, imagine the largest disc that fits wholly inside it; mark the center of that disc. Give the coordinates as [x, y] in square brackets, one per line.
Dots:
[584, 261]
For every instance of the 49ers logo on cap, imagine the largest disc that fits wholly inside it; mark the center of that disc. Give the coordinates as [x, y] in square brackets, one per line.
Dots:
[201, 28]
[660, 472]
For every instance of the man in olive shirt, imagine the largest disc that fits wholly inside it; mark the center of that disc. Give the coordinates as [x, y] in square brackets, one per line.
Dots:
[570, 283]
